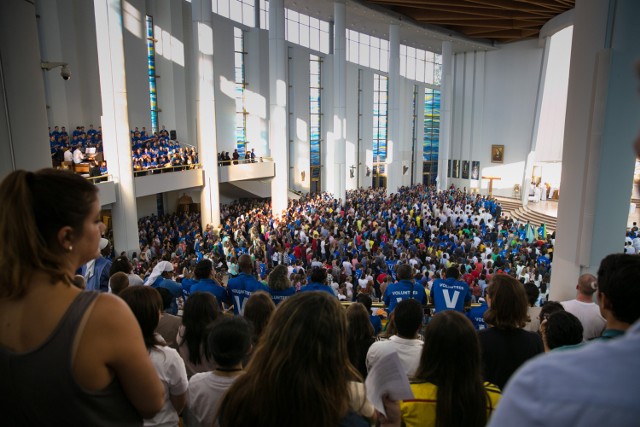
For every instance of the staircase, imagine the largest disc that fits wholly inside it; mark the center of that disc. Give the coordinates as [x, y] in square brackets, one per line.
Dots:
[513, 208]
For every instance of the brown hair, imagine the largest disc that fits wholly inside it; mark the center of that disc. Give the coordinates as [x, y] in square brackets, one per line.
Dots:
[278, 280]
[35, 206]
[118, 282]
[508, 306]
[146, 304]
[258, 310]
[301, 359]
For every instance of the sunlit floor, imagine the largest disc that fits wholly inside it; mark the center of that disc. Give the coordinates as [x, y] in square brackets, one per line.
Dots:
[550, 207]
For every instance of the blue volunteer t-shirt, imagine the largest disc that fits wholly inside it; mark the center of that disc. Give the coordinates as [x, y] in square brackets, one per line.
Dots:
[476, 315]
[240, 288]
[450, 294]
[208, 285]
[402, 290]
[277, 296]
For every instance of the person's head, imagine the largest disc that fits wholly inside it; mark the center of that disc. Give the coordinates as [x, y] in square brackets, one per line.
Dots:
[358, 322]
[146, 304]
[404, 272]
[302, 357]
[245, 265]
[451, 359]
[318, 275]
[52, 220]
[507, 302]
[587, 284]
[229, 340]
[258, 310]
[278, 279]
[453, 272]
[365, 300]
[548, 309]
[203, 269]
[560, 329]
[408, 316]
[118, 282]
[120, 264]
[532, 292]
[200, 310]
[619, 287]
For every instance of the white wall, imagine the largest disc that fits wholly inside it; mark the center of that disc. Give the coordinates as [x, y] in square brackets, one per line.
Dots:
[135, 54]
[494, 103]
[298, 100]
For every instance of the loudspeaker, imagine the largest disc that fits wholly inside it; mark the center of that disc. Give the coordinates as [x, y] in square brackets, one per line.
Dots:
[173, 135]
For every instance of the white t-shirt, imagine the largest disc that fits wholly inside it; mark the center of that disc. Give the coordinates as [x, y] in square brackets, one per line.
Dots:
[170, 369]
[205, 393]
[589, 315]
[409, 351]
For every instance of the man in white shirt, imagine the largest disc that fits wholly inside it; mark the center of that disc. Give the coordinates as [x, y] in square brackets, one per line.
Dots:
[78, 157]
[585, 309]
[408, 316]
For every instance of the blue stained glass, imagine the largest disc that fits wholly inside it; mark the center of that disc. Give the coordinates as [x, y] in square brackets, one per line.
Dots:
[151, 70]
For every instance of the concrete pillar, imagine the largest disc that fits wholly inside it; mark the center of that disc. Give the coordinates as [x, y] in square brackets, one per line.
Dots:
[601, 124]
[24, 141]
[115, 122]
[278, 143]
[394, 143]
[446, 112]
[339, 101]
[205, 110]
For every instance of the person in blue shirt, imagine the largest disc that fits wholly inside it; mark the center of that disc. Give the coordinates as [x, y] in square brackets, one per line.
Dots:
[476, 315]
[279, 284]
[241, 287]
[318, 281]
[205, 283]
[403, 289]
[161, 277]
[376, 322]
[450, 293]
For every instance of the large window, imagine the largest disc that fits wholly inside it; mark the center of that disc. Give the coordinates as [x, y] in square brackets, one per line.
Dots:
[367, 51]
[240, 84]
[241, 11]
[431, 142]
[380, 128]
[151, 69]
[264, 14]
[306, 31]
[420, 65]
[315, 119]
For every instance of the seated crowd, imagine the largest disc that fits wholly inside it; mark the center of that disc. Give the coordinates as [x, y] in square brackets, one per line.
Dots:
[243, 326]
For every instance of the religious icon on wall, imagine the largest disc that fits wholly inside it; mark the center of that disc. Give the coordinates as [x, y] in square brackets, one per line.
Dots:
[455, 172]
[465, 169]
[475, 170]
[497, 154]
[449, 169]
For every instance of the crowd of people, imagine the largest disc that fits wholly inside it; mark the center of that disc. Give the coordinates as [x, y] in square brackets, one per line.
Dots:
[225, 159]
[234, 322]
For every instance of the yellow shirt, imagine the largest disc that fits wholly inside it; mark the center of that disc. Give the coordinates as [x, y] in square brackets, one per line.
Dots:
[421, 410]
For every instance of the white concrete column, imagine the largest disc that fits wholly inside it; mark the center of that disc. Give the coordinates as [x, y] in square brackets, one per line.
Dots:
[24, 141]
[115, 121]
[601, 124]
[205, 110]
[339, 100]
[446, 112]
[394, 157]
[531, 155]
[278, 143]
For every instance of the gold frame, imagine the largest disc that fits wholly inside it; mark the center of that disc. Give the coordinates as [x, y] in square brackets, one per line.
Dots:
[497, 154]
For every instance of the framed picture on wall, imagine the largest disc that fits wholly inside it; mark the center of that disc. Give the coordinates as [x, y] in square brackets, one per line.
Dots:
[449, 169]
[465, 169]
[455, 169]
[497, 154]
[475, 170]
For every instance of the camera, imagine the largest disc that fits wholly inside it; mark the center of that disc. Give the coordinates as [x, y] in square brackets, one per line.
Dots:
[65, 73]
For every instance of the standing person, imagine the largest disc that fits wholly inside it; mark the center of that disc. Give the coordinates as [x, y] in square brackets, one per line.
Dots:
[280, 286]
[229, 341]
[450, 293]
[205, 283]
[505, 345]
[96, 272]
[146, 304]
[318, 282]
[448, 385]
[50, 223]
[405, 288]
[360, 336]
[292, 379]
[583, 307]
[200, 310]
[162, 277]
[241, 287]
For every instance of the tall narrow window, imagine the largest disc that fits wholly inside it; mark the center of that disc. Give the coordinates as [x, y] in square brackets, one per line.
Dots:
[431, 142]
[315, 120]
[240, 84]
[414, 128]
[151, 68]
[380, 105]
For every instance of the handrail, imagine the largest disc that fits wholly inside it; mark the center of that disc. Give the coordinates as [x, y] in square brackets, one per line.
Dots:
[99, 178]
[144, 172]
[261, 159]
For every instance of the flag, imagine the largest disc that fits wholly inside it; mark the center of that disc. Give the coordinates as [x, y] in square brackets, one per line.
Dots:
[530, 233]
